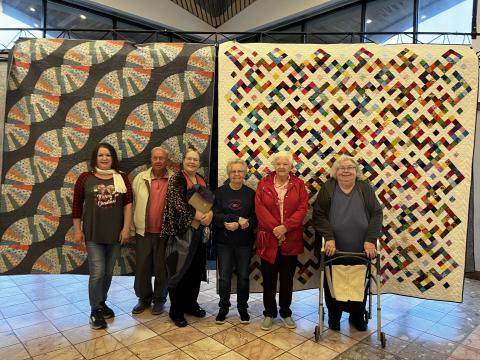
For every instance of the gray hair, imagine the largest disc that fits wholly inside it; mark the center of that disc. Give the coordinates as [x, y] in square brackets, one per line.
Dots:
[162, 148]
[282, 154]
[342, 159]
[235, 162]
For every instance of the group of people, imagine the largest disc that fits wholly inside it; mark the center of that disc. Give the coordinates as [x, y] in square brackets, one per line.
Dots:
[171, 232]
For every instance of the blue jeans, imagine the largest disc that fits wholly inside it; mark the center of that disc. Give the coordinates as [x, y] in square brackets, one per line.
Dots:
[230, 257]
[101, 261]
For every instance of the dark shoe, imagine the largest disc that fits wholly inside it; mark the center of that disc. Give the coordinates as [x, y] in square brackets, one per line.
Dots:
[107, 312]
[140, 307]
[359, 322]
[198, 312]
[334, 324]
[222, 315]
[244, 316]
[97, 321]
[180, 322]
[158, 308]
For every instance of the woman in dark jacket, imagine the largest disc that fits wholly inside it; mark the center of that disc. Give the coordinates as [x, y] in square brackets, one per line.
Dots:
[185, 255]
[348, 216]
[235, 221]
[281, 203]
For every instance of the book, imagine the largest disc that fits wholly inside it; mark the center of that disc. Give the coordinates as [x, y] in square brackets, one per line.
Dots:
[200, 204]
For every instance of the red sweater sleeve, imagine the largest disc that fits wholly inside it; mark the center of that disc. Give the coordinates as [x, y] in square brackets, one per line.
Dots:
[79, 195]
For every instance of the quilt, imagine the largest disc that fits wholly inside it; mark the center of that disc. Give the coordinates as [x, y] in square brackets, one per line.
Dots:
[405, 112]
[66, 96]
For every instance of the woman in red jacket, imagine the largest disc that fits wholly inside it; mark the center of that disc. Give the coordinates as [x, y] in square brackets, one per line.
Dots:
[281, 203]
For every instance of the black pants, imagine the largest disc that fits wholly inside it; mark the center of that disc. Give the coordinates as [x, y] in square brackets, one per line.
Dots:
[183, 298]
[285, 267]
[150, 261]
[335, 308]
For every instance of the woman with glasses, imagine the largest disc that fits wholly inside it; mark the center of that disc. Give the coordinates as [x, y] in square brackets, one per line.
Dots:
[234, 221]
[348, 216]
[186, 249]
[281, 203]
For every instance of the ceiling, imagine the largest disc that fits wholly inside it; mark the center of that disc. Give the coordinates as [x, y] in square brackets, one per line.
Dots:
[214, 12]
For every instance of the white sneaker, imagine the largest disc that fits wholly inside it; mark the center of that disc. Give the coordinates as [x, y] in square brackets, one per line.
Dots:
[289, 322]
[267, 323]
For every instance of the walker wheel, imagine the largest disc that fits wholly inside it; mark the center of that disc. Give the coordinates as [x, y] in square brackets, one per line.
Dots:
[317, 333]
[383, 339]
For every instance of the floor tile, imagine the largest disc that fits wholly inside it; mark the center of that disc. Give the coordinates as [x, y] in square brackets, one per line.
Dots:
[61, 311]
[14, 352]
[133, 334]
[66, 353]
[8, 338]
[152, 348]
[35, 331]
[401, 331]
[234, 337]
[435, 343]
[312, 350]
[183, 336]
[120, 322]
[98, 346]
[121, 354]
[259, 350]
[209, 327]
[71, 322]
[82, 334]
[46, 344]
[466, 353]
[336, 341]
[175, 355]
[286, 356]
[450, 333]
[18, 309]
[284, 338]
[364, 352]
[232, 355]
[205, 349]
[161, 325]
[25, 320]
[472, 340]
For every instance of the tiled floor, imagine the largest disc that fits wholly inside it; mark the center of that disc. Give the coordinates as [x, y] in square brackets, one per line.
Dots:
[46, 317]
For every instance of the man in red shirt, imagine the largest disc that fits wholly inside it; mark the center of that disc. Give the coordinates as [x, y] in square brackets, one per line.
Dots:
[149, 189]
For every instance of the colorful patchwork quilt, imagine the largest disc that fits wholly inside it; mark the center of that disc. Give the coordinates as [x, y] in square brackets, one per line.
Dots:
[405, 112]
[66, 96]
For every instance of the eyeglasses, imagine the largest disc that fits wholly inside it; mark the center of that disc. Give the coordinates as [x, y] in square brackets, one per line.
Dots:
[237, 171]
[347, 168]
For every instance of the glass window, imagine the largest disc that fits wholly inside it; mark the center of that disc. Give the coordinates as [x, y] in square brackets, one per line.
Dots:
[389, 16]
[136, 37]
[445, 16]
[19, 14]
[345, 20]
[284, 38]
[66, 17]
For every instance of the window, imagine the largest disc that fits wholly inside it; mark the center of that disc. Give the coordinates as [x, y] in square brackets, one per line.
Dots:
[66, 17]
[389, 16]
[19, 14]
[345, 20]
[284, 38]
[136, 37]
[445, 16]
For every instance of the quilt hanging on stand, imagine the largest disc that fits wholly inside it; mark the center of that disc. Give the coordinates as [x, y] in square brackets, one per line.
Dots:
[66, 96]
[405, 112]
